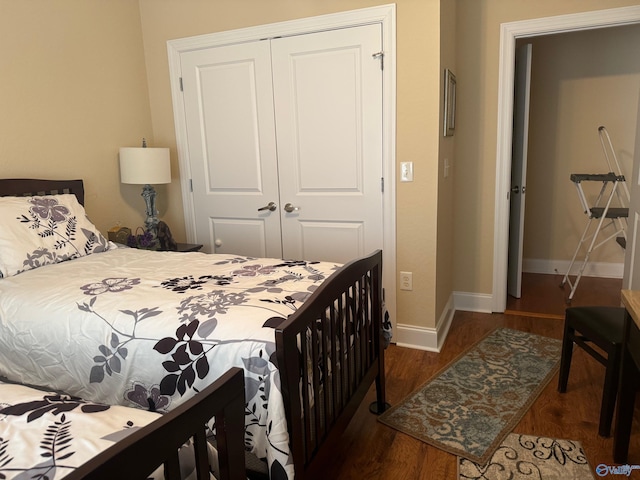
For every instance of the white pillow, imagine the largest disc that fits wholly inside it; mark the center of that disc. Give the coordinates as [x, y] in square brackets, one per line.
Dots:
[37, 231]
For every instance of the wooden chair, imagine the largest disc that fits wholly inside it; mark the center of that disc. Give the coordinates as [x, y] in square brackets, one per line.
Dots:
[604, 327]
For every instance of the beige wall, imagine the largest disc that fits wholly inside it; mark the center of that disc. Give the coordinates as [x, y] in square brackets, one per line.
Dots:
[72, 91]
[478, 37]
[580, 81]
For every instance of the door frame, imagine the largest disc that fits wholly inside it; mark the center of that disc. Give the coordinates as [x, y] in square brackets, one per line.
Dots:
[509, 33]
[631, 276]
[385, 16]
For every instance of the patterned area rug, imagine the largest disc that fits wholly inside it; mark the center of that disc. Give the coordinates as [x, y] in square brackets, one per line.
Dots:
[469, 407]
[528, 457]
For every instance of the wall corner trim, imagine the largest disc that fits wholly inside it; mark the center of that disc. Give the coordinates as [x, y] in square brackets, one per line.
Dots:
[421, 338]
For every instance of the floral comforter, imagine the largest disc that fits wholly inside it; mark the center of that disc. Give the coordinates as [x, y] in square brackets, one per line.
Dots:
[47, 435]
[149, 329]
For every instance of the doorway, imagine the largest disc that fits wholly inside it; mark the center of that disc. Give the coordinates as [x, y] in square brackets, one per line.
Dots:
[579, 82]
[510, 32]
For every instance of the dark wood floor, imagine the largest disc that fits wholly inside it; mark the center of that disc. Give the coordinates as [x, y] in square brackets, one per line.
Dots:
[542, 294]
[371, 450]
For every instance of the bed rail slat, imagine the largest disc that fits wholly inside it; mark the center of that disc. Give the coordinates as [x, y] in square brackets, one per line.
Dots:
[172, 467]
[334, 322]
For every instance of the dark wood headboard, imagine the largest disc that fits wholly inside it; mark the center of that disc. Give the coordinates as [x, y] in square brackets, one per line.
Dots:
[16, 187]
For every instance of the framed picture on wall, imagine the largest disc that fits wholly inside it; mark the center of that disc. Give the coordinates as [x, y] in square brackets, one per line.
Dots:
[449, 103]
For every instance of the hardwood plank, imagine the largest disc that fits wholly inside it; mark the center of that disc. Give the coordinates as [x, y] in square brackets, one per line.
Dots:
[371, 450]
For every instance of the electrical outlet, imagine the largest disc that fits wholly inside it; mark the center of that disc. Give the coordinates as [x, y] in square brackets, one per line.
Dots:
[406, 280]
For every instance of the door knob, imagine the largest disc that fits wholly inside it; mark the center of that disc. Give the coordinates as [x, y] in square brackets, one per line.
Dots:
[271, 206]
[515, 190]
[290, 208]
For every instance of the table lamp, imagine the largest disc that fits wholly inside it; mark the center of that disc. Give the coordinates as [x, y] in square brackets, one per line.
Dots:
[146, 166]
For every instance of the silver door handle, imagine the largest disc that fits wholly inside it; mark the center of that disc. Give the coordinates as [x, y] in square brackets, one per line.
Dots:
[515, 190]
[271, 206]
[290, 208]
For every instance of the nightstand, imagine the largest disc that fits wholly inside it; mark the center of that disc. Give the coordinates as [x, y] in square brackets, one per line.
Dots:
[188, 247]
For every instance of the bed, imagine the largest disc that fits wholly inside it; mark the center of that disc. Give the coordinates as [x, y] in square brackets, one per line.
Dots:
[50, 435]
[150, 329]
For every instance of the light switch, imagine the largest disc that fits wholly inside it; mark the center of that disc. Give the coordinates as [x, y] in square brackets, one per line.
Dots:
[406, 171]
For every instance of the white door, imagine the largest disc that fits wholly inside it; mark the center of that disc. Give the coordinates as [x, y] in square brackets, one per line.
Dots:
[231, 141]
[295, 123]
[631, 277]
[328, 91]
[519, 169]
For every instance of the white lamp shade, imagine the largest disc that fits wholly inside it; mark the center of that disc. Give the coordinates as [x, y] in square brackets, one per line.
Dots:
[143, 165]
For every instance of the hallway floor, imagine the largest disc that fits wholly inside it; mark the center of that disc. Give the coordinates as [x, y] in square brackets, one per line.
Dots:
[542, 294]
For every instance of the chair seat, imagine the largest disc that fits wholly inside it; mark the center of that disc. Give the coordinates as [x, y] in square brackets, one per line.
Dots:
[605, 322]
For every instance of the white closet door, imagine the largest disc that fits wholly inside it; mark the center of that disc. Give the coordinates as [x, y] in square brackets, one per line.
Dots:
[296, 121]
[328, 91]
[229, 114]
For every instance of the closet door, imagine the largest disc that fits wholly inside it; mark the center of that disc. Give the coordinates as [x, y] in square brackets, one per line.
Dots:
[295, 123]
[228, 100]
[328, 91]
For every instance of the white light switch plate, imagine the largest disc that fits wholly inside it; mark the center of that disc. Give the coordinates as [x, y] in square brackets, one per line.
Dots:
[406, 171]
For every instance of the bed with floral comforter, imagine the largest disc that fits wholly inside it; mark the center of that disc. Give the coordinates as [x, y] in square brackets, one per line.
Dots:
[149, 329]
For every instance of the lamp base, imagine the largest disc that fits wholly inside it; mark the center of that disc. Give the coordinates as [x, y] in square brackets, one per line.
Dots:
[151, 222]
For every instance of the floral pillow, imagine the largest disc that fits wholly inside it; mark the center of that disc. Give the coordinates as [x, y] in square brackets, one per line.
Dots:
[37, 231]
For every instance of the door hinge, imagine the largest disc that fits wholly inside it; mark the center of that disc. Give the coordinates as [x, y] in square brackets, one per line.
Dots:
[379, 55]
[181, 87]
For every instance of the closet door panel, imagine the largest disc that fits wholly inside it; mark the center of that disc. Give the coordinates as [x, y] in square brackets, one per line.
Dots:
[328, 91]
[229, 114]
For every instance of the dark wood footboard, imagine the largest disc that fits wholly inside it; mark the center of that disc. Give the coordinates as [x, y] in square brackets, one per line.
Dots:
[329, 353]
[158, 443]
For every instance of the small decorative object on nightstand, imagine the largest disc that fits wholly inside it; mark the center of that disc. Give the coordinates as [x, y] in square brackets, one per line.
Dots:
[142, 239]
[119, 234]
[165, 239]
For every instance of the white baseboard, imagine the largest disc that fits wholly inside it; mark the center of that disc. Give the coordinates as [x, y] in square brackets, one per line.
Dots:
[473, 302]
[592, 269]
[483, 303]
[421, 338]
[432, 339]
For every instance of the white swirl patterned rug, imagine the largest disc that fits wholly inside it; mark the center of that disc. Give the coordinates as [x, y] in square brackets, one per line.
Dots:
[527, 457]
[476, 401]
